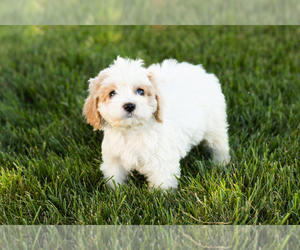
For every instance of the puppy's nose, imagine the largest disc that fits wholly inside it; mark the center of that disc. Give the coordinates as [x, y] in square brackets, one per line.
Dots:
[129, 107]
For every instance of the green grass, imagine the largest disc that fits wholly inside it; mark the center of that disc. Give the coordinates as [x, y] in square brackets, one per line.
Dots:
[50, 157]
[192, 12]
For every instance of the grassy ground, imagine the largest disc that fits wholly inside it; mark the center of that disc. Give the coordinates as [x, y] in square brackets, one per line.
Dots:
[193, 12]
[50, 158]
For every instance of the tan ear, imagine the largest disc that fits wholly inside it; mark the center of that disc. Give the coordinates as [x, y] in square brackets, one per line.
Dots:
[91, 113]
[90, 108]
[158, 113]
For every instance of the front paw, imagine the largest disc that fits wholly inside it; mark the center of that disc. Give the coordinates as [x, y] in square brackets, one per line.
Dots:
[167, 182]
[111, 183]
[114, 174]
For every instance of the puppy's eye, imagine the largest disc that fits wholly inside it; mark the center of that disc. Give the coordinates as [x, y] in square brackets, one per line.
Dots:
[111, 94]
[140, 92]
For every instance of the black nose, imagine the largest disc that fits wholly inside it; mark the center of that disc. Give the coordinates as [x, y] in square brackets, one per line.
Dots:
[129, 107]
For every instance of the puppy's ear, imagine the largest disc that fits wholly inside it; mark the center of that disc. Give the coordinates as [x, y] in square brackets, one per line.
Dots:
[158, 113]
[90, 108]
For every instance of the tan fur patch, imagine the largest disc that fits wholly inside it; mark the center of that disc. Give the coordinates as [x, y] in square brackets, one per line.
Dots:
[90, 111]
[149, 90]
[151, 78]
[158, 113]
[105, 90]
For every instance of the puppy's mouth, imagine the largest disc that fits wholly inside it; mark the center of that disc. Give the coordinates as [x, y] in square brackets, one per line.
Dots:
[130, 115]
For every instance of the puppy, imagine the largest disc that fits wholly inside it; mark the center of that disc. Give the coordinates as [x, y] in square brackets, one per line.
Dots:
[152, 117]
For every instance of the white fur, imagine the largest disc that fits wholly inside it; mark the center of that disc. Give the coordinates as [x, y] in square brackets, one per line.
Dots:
[193, 109]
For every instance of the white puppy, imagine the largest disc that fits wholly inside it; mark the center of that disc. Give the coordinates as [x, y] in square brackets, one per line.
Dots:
[152, 118]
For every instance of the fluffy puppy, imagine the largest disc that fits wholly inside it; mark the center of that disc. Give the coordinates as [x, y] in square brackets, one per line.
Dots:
[153, 116]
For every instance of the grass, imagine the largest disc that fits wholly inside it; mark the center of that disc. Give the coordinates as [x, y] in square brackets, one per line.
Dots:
[50, 158]
[191, 12]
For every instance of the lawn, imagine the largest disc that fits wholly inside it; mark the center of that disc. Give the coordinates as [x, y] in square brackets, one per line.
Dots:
[50, 157]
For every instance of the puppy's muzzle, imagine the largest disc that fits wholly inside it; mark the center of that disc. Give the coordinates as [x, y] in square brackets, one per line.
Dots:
[129, 107]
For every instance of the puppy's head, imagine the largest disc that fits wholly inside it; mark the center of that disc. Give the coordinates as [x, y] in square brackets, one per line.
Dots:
[123, 95]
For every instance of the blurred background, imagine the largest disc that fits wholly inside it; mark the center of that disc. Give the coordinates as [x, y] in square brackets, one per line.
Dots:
[188, 12]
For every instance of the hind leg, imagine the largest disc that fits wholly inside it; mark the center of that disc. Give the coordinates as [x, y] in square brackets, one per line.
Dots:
[219, 147]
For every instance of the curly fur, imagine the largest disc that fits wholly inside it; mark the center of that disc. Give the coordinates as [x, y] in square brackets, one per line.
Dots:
[182, 106]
